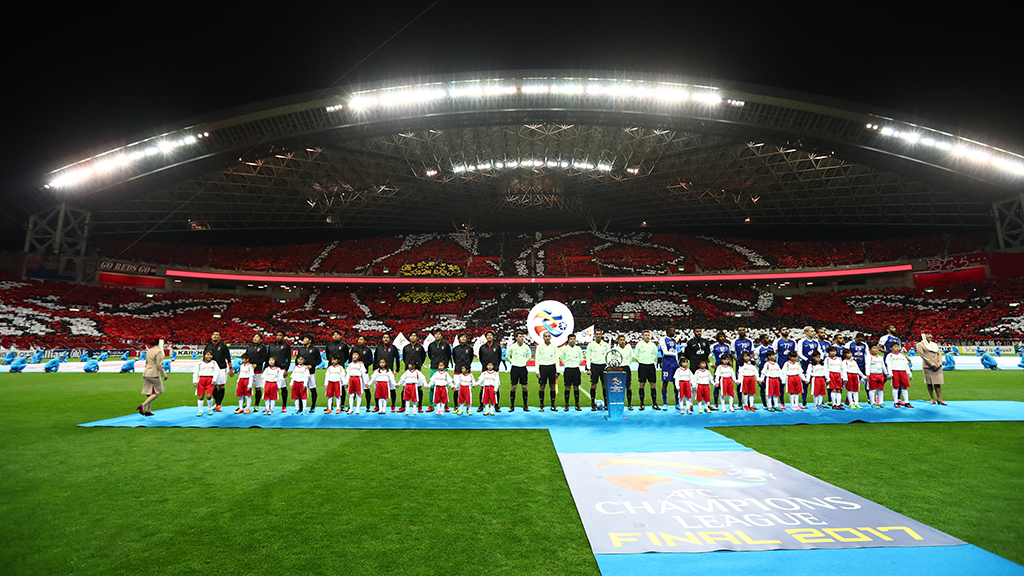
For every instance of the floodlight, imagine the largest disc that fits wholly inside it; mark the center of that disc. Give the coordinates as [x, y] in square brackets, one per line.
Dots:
[72, 177]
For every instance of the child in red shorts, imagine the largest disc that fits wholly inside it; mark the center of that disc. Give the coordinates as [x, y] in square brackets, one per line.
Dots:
[383, 384]
[244, 388]
[853, 378]
[682, 378]
[702, 378]
[335, 372]
[836, 374]
[771, 376]
[411, 382]
[202, 379]
[817, 380]
[439, 383]
[300, 377]
[272, 375]
[899, 367]
[357, 380]
[747, 373]
[794, 376]
[464, 383]
[725, 379]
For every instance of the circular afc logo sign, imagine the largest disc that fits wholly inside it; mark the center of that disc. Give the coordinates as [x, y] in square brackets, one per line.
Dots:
[552, 317]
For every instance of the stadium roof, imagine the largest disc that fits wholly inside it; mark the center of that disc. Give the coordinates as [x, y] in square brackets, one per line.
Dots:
[538, 150]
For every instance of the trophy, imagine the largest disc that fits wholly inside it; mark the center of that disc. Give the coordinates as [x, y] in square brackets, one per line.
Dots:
[613, 358]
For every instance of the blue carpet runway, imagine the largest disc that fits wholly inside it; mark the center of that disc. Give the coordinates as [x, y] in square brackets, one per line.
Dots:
[185, 417]
[653, 431]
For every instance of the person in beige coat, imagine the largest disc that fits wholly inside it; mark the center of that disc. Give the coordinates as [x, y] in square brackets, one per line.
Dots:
[153, 377]
[931, 359]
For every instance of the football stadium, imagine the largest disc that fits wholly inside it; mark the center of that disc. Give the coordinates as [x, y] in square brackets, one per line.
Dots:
[558, 321]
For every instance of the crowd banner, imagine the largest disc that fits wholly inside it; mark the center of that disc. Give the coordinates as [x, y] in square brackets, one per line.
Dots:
[740, 500]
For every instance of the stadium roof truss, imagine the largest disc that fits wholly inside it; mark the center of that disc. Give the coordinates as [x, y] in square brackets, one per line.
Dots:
[551, 150]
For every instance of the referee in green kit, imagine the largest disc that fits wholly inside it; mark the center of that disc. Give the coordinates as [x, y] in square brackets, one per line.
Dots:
[519, 355]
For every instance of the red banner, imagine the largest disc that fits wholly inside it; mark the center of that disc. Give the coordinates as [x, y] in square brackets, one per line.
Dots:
[930, 279]
[112, 279]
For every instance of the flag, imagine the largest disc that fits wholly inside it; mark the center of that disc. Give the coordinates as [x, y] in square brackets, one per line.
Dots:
[585, 336]
[400, 341]
[428, 340]
[480, 341]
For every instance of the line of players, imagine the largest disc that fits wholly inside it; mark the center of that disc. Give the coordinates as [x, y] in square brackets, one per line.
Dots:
[774, 367]
[730, 374]
[256, 384]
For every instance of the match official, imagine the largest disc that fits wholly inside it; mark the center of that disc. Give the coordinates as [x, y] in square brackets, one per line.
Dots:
[519, 354]
[547, 369]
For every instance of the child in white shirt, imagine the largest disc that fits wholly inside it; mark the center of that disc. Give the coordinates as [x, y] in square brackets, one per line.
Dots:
[244, 388]
[490, 381]
[383, 384]
[300, 380]
[335, 372]
[853, 378]
[725, 380]
[817, 380]
[358, 379]
[439, 383]
[271, 374]
[836, 375]
[702, 378]
[771, 377]
[684, 391]
[410, 383]
[794, 376]
[202, 379]
[464, 383]
[899, 367]
[747, 374]
[878, 373]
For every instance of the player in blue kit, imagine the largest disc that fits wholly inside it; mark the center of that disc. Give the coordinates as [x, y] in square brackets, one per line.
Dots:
[669, 364]
[823, 342]
[742, 344]
[783, 345]
[888, 339]
[805, 349]
[859, 349]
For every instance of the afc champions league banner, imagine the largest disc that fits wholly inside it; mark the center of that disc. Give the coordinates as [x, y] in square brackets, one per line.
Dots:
[737, 500]
[552, 317]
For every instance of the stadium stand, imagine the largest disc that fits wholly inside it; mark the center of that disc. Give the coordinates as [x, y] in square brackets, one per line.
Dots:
[59, 315]
[534, 254]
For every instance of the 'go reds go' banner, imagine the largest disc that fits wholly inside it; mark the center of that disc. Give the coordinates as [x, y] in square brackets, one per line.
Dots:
[127, 268]
[737, 500]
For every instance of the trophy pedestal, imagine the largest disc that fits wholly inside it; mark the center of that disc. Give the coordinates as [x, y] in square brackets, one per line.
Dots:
[615, 386]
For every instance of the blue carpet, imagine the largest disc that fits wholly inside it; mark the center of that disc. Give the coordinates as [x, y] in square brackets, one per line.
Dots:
[969, 411]
[185, 416]
[927, 560]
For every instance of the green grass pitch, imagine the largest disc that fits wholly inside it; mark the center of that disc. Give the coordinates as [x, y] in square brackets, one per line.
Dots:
[241, 501]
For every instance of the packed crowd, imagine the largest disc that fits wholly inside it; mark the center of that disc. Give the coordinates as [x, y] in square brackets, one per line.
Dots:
[62, 316]
[537, 254]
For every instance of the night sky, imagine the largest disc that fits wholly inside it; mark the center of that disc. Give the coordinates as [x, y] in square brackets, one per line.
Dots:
[86, 79]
